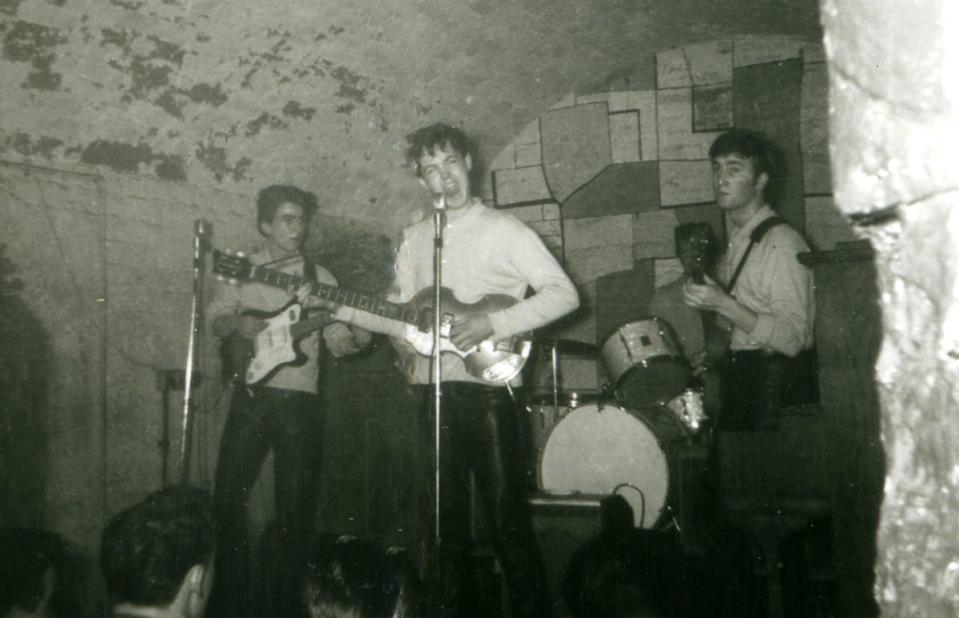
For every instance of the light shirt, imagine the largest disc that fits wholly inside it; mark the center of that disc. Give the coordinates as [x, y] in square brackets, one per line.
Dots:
[485, 251]
[774, 285]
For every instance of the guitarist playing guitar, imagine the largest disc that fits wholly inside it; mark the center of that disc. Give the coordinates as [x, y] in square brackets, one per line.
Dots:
[486, 252]
[283, 411]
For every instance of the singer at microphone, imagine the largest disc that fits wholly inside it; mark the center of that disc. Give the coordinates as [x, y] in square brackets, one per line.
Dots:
[487, 254]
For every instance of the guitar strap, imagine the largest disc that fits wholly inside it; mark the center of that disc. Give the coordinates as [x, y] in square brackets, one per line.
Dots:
[309, 269]
[309, 273]
[754, 238]
[776, 380]
[716, 338]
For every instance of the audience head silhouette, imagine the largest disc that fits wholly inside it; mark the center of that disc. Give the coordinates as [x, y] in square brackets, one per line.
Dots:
[157, 555]
[30, 559]
[348, 577]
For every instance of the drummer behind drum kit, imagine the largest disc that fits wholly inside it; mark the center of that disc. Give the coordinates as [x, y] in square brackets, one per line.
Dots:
[622, 438]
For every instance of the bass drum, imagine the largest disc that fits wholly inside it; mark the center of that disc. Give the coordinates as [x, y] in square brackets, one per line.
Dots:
[601, 449]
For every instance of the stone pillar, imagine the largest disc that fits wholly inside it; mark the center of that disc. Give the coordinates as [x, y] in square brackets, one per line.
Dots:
[894, 95]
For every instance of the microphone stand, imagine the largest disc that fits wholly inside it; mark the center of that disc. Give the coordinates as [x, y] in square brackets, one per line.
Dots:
[201, 231]
[439, 222]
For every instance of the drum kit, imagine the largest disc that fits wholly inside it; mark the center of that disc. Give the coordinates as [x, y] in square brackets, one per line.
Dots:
[622, 437]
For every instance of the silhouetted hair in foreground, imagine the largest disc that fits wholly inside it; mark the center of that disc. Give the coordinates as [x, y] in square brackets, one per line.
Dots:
[148, 549]
[30, 559]
[348, 577]
[612, 577]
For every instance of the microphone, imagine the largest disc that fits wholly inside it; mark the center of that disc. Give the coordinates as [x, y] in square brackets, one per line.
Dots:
[201, 232]
[439, 213]
[201, 227]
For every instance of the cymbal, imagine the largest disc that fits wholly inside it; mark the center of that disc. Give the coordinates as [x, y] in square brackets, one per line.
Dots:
[570, 346]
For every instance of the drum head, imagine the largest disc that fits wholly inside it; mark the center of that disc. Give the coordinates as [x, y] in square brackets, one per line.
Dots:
[602, 449]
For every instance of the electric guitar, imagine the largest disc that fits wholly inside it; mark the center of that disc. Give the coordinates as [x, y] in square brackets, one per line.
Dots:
[695, 254]
[496, 362]
[258, 359]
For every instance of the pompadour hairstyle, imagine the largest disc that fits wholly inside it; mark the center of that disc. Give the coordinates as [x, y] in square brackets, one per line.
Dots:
[745, 143]
[269, 198]
[437, 136]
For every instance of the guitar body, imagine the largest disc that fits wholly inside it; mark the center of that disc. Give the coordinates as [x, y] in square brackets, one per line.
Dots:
[495, 362]
[276, 346]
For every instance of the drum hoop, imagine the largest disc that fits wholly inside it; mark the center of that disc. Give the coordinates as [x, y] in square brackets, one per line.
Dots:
[616, 329]
[577, 395]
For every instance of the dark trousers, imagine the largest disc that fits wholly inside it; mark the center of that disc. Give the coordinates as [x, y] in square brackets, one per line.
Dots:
[480, 433]
[756, 384]
[755, 387]
[290, 423]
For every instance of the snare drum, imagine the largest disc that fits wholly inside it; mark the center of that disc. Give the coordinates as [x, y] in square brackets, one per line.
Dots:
[601, 449]
[645, 363]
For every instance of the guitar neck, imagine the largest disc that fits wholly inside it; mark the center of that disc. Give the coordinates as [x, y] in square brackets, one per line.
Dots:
[339, 296]
[303, 328]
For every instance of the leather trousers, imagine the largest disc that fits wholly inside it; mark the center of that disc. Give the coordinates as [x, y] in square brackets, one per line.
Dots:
[290, 423]
[480, 433]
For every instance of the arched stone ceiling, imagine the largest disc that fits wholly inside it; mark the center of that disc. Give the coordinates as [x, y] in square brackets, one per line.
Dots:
[241, 93]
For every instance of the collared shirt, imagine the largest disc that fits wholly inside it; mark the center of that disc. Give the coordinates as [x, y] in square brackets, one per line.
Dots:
[485, 251]
[774, 285]
[232, 299]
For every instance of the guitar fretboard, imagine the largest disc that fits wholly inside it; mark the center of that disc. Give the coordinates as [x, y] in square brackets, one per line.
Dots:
[305, 327]
[340, 296]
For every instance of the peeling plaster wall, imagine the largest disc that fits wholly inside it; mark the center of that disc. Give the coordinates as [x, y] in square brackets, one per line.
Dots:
[237, 95]
[895, 100]
[203, 93]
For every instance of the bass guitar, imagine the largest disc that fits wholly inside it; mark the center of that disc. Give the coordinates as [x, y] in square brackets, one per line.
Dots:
[495, 362]
[258, 359]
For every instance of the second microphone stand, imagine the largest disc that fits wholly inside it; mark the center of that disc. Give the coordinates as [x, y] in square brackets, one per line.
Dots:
[201, 233]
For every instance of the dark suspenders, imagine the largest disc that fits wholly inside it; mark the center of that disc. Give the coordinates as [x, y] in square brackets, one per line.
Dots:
[754, 237]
